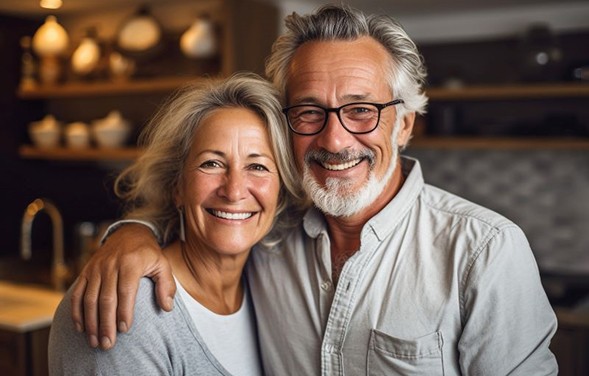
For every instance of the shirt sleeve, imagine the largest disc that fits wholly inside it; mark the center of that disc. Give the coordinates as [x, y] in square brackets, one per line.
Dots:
[507, 319]
[118, 224]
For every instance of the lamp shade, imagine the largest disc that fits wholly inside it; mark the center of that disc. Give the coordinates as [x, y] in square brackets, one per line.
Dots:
[199, 40]
[50, 39]
[140, 33]
[86, 56]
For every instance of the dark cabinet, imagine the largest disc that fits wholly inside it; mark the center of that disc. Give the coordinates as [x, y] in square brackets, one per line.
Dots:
[24, 354]
[571, 342]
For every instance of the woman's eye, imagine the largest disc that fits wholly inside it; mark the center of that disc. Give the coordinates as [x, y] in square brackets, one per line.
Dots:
[258, 167]
[210, 164]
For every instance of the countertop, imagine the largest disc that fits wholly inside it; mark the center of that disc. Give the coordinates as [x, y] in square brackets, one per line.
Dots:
[25, 308]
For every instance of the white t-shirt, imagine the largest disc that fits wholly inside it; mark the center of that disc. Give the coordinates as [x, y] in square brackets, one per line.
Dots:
[231, 338]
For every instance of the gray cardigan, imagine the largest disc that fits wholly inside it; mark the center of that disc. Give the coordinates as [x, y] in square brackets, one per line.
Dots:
[158, 343]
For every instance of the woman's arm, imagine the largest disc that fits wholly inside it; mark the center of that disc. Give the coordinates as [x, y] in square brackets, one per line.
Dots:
[103, 296]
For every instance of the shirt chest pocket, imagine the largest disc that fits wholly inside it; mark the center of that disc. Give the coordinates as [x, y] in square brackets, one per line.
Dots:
[388, 355]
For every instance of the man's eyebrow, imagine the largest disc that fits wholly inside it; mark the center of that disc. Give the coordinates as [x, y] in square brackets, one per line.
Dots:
[355, 97]
[346, 98]
[305, 100]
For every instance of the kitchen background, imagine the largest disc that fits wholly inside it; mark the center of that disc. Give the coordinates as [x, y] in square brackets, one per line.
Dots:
[507, 126]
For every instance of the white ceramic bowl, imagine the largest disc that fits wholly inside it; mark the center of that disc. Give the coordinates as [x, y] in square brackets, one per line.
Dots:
[43, 137]
[110, 137]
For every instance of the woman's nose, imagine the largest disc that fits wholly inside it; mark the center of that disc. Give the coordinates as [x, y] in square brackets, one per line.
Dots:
[234, 187]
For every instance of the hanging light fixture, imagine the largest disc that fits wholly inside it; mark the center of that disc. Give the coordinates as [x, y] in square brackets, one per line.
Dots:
[51, 4]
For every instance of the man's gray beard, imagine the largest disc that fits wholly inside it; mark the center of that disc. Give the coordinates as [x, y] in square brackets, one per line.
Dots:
[337, 200]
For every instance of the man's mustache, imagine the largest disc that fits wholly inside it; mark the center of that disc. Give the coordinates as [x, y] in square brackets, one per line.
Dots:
[323, 156]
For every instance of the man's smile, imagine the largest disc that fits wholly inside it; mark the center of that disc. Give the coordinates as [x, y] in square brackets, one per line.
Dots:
[340, 166]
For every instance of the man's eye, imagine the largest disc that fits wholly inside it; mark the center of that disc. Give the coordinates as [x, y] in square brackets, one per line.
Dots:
[309, 112]
[360, 110]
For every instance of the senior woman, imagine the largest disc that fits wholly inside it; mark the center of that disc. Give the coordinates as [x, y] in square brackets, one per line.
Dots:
[215, 175]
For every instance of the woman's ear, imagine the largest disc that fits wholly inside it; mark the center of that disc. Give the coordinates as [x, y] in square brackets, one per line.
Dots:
[178, 196]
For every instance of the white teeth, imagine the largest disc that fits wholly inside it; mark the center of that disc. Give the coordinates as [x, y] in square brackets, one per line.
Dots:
[341, 166]
[235, 216]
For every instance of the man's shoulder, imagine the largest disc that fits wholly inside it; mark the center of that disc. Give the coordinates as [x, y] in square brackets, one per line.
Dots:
[446, 204]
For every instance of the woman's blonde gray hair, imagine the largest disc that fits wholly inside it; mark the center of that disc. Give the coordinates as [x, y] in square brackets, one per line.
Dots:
[149, 185]
[407, 72]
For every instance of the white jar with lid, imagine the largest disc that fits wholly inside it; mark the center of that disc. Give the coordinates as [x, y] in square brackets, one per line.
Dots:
[77, 135]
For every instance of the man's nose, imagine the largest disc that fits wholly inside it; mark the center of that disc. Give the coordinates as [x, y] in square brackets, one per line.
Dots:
[334, 137]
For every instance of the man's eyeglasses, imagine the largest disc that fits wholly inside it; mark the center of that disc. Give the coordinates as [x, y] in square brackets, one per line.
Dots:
[357, 118]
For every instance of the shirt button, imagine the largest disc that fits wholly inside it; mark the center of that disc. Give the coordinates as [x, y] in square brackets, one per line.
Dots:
[326, 285]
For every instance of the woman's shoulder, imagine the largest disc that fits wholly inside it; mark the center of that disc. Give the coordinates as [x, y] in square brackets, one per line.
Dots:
[153, 345]
[147, 310]
[146, 306]
[146, 294]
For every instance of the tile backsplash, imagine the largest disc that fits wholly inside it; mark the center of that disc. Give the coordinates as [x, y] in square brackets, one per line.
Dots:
[545, 192]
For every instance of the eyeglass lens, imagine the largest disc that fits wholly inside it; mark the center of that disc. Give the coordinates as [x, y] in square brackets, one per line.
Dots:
[356, 117]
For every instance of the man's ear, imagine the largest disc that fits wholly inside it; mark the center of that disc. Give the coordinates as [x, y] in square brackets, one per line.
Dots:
[406, 129]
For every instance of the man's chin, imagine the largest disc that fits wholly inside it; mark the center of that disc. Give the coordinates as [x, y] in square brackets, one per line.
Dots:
[335, 202]
[333, 189]
[336, 197]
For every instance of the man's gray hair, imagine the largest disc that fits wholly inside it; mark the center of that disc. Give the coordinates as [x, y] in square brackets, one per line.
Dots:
[407, 72]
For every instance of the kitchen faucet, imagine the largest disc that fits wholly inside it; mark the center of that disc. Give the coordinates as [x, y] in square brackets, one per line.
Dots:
[59, 271]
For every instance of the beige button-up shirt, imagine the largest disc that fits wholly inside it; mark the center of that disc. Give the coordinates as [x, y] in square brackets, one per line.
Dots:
[439, 286]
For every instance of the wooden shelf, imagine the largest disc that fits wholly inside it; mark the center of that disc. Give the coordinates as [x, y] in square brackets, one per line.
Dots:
[478, 92]
[89, 154]
[105, 88]
[490, 92]
[501, 143]
[499, 92]
[128, 154]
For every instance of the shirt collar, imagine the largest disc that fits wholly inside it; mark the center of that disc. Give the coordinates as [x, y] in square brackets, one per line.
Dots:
[382, 223]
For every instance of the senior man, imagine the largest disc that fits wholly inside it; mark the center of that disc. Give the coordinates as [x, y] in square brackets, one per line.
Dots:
[385, 275]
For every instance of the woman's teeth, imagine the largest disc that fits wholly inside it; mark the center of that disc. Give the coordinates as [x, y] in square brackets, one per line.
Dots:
[235, 216]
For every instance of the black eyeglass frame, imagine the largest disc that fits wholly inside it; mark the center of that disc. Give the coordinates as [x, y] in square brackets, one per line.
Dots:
[379, 106]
